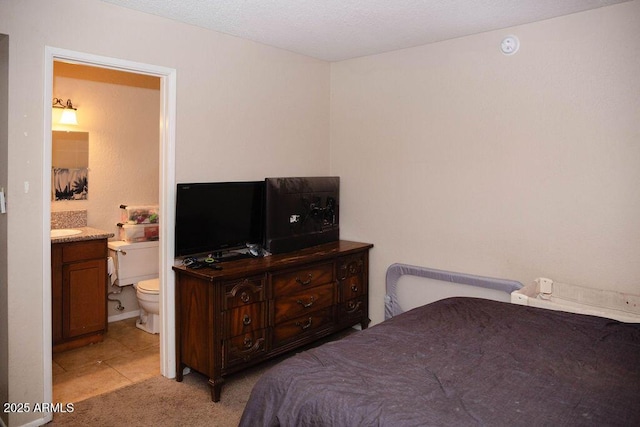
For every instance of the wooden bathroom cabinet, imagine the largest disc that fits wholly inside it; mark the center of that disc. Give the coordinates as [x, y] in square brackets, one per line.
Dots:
[78, 293]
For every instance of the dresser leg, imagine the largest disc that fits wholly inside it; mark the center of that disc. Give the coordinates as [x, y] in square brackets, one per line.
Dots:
[365, 323]
[179, 374]
[216, 388]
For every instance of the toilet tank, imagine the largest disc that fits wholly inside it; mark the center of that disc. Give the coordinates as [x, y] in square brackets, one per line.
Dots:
[135, 261]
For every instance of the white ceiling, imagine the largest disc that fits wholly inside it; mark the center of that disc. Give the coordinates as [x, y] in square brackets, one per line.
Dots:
[335, 30]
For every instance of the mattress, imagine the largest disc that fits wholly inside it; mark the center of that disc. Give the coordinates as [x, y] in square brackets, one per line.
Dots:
[461, 361]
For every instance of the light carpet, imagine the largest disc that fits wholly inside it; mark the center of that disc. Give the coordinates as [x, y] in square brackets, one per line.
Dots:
[160, 401]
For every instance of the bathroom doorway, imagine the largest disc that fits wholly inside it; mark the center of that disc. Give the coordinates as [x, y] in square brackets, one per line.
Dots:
[165, 160]
[115, 143]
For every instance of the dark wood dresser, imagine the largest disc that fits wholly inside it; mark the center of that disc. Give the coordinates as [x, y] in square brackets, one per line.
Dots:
[258, 308]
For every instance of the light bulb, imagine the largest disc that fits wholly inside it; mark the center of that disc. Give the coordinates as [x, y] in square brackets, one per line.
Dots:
[68, 117]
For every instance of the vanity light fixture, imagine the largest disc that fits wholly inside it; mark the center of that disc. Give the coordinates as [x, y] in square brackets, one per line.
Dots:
[68, 113]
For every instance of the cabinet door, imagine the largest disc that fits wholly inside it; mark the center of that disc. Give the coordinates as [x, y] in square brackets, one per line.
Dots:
[353, 284]
[84, 297]
[351, 276]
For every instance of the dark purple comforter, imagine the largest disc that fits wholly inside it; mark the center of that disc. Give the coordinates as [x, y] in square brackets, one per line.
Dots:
[459, 362]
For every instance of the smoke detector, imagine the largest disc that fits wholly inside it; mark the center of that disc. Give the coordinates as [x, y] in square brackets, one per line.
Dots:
[510, 45]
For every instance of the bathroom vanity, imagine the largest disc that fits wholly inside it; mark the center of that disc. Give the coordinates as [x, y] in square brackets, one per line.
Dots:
[79, 288]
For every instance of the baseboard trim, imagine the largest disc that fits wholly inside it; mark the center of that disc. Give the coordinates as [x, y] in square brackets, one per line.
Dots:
[123, 316]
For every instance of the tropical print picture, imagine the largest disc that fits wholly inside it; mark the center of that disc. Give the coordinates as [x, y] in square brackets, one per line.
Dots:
[70, 184]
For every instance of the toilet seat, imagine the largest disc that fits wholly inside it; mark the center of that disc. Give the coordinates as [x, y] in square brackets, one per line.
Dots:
[150, 287]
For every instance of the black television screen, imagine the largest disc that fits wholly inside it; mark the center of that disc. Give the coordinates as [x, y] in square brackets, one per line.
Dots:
[301, 212]
[218, 216]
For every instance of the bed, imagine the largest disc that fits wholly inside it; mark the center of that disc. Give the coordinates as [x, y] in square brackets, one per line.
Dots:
[460, 361]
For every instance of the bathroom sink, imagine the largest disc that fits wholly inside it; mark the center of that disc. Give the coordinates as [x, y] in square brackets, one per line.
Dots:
[64, 232]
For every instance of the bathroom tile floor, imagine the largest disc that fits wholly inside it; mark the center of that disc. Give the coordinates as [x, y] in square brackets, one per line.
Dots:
[126, 355]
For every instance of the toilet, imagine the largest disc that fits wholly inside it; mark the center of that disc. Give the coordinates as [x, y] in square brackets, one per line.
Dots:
[137, 264]
[147, 292]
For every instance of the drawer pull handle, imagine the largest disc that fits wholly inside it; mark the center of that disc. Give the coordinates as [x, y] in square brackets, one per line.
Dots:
[244, 297]
[307, 305]
[354, 288]
[353, 306]
[306, 325]
[246, 320]
[306, 282]
[248, 342]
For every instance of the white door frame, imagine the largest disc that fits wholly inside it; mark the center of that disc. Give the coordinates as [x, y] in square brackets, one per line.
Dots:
[167, 200]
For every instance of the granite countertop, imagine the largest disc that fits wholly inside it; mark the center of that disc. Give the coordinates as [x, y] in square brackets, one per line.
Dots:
[88, 233]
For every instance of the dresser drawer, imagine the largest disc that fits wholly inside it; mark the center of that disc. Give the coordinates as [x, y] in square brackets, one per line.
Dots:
[304, 278]
[302, 325]
[350, 266]
[316, 298]
[244, 291]
[244, 347]
[243, 319]
[352, 287]
[353, 310]
[353, 306]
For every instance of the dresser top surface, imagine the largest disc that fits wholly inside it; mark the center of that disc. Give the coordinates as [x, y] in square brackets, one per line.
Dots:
[246, 266]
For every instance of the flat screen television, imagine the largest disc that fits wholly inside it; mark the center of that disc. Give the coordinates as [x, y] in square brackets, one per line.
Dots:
[219, 216]
[301, 212]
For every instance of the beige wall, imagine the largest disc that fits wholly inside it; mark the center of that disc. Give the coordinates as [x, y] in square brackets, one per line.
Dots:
[451, 155]
[121, 113]
[244, 111]
[455, 156]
